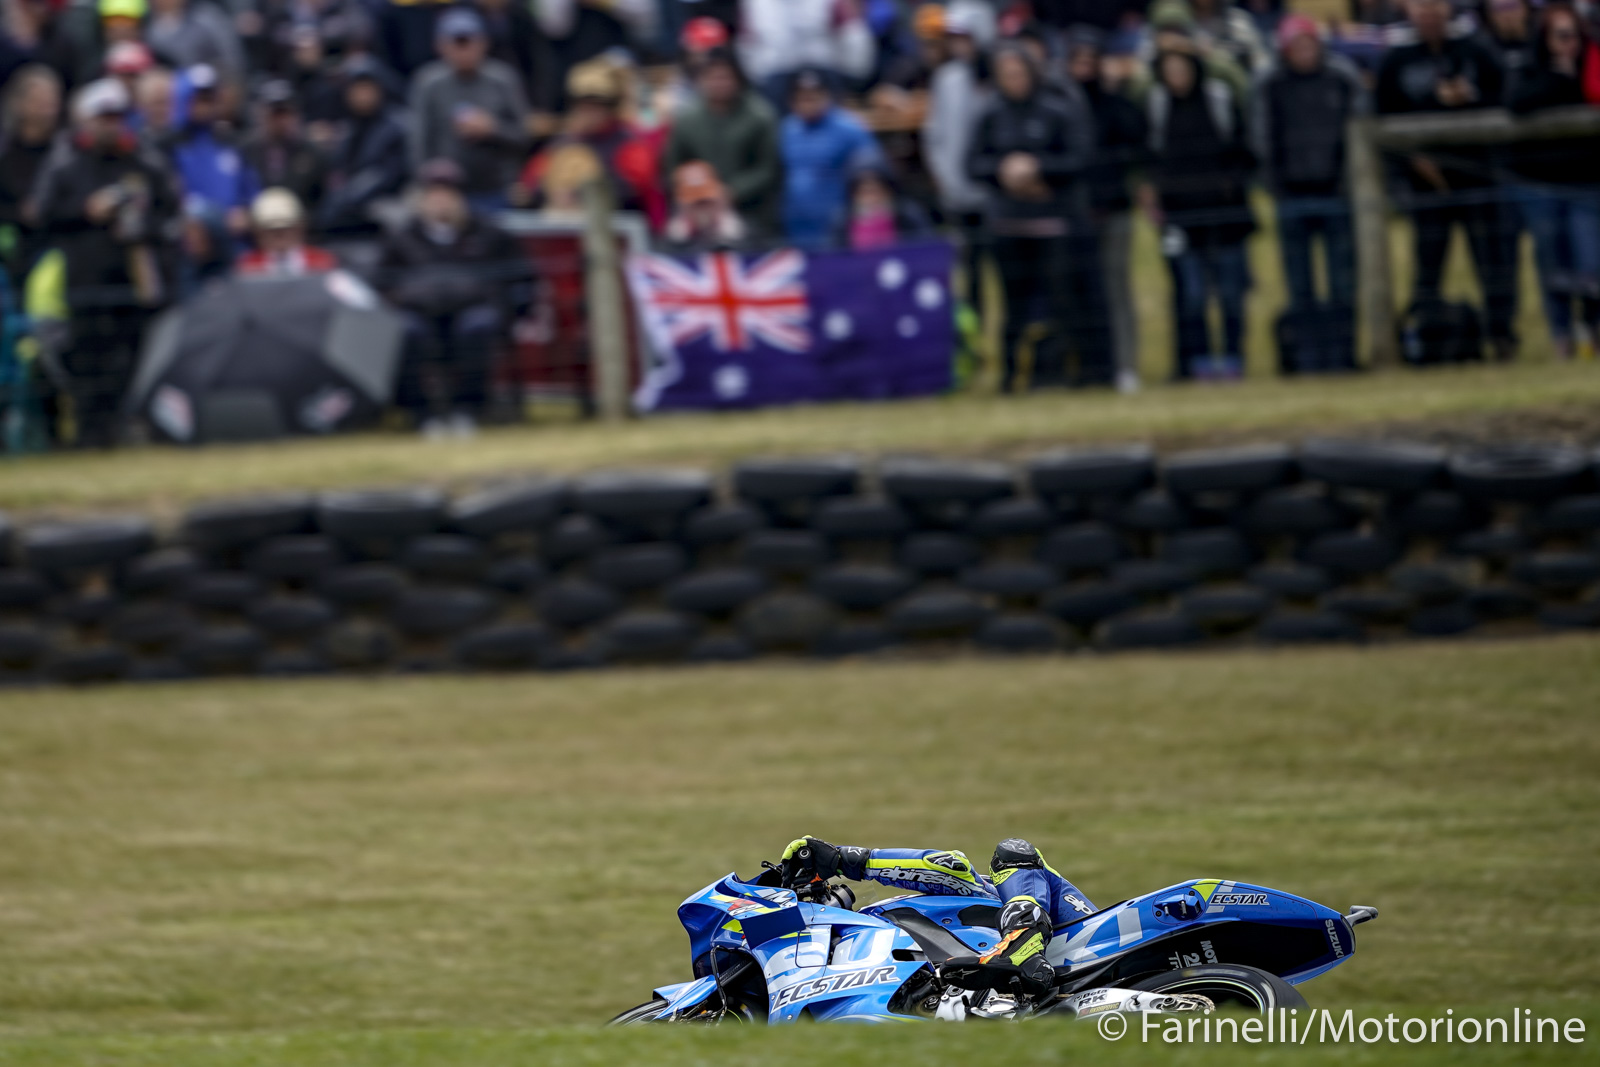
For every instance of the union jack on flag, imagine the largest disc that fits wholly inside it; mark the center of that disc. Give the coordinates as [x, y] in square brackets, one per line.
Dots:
[734, 303]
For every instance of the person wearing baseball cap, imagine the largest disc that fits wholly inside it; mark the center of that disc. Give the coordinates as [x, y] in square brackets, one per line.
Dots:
[278, 150]
[369, 163]
[1301, 112]
[218, 185]
[450, 273]
[703, 219]
[913, 70]
[470, 107]
[820, 143]
[107, 202]
[278, 221]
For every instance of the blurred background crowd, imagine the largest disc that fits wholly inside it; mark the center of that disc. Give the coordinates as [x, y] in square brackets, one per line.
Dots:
[151, 146]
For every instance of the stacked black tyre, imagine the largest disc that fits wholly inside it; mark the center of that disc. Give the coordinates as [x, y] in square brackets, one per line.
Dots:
[1087, 548]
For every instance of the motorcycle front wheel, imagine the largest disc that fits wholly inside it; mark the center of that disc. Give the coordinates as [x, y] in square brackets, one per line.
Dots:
[1228, 985]
[640, 1014]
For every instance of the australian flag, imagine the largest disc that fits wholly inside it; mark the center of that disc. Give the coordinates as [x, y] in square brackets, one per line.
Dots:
[740, 330]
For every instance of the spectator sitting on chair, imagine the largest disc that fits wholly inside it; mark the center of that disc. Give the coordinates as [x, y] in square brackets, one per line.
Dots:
[877, 215]
[1301, 111]
[278, 151]
[107, 201]
[368, 162]
[820, 143]
[279, 223]
[448, 271]
[705, 220]
[471, 109]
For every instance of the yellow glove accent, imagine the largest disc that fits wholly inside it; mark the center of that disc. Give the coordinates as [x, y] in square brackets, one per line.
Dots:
[793, 846]
[1034, 946]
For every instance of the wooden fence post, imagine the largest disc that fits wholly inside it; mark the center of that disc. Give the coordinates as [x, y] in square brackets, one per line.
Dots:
[1374, 278]
[606, 305]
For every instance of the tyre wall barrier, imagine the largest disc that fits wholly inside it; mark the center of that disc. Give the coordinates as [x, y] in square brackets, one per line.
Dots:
[1104, 548]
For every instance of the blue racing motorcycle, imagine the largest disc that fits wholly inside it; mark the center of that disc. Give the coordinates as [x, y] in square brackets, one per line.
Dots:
[772, 951]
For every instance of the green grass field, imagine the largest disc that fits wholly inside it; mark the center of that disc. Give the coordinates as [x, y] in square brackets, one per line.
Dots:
[481, 870]
[1541, 399]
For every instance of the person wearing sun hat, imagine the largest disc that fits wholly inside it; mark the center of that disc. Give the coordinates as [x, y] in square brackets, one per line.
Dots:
[278, 221]
[596, 126]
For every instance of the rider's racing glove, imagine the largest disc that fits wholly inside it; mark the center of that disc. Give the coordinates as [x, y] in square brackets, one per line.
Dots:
[1024, 931]
[824, 860]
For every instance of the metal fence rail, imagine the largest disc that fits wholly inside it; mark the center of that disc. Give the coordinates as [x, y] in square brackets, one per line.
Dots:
[1369, 140]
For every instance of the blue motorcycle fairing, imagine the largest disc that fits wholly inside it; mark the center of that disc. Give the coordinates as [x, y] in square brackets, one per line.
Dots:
[1209, 921]
[842, 966]
[970, 920]
[1171, 918]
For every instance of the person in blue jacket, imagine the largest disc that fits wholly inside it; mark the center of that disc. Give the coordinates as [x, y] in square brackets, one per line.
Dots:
[1036, 901]
[821, 145]
[218, 185]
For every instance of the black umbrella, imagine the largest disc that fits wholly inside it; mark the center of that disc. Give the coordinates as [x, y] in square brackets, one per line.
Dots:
[260, 357]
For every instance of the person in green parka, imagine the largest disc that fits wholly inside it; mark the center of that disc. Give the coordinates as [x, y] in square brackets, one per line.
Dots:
[731, 127]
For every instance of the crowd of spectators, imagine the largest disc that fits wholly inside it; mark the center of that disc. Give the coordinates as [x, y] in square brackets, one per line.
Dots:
[148, 146]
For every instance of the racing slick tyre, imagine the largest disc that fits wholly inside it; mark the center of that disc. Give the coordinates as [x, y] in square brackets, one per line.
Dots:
[642, 497]
[1153, 511]
[1017, 516]
[1083, 546]
[235, 523]
[1228, 986]
[721, 524]
[1242, 469]
[1114, 471]
[861, 518]
[789, 552]
[801, 480]
[72, 546]
[1528, 473]
[1386, 466]
[515, 507]
[641, 1014]
[380, 517]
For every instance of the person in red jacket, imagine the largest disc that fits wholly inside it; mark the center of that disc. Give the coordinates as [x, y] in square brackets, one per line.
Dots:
[279, 224]
[596, 122]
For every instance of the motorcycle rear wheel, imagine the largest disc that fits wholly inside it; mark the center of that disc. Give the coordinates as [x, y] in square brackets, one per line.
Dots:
[1228, 986]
